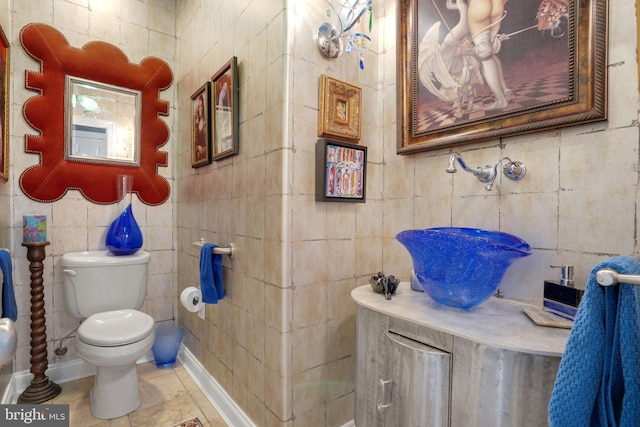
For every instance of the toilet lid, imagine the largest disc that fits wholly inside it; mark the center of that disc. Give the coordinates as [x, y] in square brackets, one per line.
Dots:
[114, 328]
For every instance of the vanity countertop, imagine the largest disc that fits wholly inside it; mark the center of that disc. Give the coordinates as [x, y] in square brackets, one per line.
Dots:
[496, 322]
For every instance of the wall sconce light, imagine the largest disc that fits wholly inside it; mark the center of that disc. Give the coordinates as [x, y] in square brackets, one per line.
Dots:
[333, 40]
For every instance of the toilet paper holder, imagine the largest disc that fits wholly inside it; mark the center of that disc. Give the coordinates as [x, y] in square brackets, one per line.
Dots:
[229, 250]
[191, 299]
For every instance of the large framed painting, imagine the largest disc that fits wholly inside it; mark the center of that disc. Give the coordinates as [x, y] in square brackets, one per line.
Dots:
[4, 107]
[481, 69]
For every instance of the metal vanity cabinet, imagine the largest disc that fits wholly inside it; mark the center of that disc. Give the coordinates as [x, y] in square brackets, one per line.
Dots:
[419, 364]
[416, 389]
[400, 382]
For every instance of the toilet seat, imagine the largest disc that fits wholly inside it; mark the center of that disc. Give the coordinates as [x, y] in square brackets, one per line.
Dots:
[115, 328]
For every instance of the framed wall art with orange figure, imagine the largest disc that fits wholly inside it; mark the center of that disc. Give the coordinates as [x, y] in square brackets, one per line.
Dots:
[201, 126]
[475, 70]
[4, 107]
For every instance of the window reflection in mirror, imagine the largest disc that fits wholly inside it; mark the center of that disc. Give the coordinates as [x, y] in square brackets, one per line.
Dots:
[103, 123]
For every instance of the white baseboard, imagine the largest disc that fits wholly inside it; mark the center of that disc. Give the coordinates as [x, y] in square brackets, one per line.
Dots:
[227, 408]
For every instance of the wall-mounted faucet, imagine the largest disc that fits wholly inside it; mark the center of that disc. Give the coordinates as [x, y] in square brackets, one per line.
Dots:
[487, 174]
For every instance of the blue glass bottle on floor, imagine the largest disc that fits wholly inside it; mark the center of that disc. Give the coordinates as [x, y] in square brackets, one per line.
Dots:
[124, 236]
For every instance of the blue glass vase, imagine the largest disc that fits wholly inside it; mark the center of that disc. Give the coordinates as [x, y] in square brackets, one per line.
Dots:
[124, 236]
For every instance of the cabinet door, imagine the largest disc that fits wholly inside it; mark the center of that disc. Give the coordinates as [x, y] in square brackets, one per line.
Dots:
[417, 388]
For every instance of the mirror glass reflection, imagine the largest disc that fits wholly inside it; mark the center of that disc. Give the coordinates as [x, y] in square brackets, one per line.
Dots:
[103, 123]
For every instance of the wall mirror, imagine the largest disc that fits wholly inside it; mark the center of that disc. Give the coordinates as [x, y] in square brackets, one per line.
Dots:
[97, 115]
[103, 123]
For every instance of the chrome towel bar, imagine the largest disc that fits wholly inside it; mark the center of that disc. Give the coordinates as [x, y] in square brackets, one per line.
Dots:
[610, 277]
[229, 250]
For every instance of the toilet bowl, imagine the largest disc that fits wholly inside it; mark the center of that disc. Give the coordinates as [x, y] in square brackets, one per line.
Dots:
[113, 341]
[106, 290]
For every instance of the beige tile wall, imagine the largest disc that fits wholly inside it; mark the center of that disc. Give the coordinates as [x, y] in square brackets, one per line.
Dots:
[281, 342]
[244, 341]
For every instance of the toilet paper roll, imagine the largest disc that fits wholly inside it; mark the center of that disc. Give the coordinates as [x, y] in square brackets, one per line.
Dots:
[191, 299]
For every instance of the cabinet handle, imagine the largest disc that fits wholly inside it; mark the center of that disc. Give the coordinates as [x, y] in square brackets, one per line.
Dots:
[384, 394]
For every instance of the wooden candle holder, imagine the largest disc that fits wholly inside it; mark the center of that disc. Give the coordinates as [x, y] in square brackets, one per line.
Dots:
[41, 387]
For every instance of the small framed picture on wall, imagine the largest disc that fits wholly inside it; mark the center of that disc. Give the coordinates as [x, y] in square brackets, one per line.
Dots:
[201, 126]
[339, 110]
[225, 117]
[341, 171]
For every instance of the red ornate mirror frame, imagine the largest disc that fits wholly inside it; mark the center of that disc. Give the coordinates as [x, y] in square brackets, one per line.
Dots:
[101, 62]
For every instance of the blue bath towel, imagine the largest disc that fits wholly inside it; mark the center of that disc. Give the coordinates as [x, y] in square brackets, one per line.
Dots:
[9, 307]
[210, 274]
[598, 382]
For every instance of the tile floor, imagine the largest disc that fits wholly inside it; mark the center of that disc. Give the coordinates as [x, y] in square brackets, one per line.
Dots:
[169, 396]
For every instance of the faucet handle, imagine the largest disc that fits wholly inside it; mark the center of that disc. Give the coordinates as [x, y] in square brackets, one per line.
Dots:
[514, 170]
[566, 272]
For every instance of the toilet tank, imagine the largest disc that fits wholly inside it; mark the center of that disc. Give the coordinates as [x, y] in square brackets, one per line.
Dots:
[98, 281]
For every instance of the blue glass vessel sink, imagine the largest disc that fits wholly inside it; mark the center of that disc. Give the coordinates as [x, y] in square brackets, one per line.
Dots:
[461, 267]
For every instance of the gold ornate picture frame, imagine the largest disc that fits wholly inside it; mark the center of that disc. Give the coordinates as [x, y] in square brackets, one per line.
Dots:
[339, 110]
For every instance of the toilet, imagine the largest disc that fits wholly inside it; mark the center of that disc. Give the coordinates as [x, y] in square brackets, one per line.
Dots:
[105, 291]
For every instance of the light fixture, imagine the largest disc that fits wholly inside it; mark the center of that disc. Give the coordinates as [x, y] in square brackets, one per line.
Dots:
[333, 40]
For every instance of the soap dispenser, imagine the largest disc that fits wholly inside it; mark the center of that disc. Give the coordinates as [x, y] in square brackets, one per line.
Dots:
[561, 297]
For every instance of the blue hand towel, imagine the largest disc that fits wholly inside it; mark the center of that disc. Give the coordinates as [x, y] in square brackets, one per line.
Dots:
[210, 274]
[9, 307]
[598, 382]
